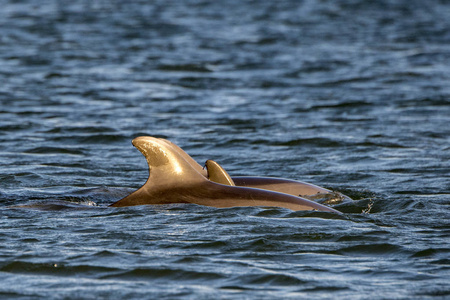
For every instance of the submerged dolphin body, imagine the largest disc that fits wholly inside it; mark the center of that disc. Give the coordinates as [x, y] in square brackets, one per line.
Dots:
[293, 187]
[172, 179]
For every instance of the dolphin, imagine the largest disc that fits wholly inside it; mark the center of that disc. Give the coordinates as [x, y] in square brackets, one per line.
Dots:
[215, 172]
[172, 179]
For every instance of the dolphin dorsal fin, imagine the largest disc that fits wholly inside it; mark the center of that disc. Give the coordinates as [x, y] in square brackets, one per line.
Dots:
[186, 156]
[168, 170]
[166, 165]
[218, 174]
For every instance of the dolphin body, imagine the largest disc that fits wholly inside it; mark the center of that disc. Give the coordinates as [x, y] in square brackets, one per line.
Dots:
[216, 173]
[172, 179]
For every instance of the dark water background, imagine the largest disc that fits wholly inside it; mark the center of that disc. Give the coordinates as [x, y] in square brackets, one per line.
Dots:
[350, 95]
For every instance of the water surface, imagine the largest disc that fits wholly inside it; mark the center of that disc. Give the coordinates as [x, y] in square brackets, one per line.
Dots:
[349, 95]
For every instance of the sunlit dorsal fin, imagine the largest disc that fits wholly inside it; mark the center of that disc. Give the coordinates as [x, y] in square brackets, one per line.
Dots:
[218, 174]
[186, 156]
[166, 165]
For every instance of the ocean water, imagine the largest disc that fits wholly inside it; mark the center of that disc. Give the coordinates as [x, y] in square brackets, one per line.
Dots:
[350, 95]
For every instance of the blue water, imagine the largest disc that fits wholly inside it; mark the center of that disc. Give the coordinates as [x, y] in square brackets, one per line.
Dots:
[350, 95]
